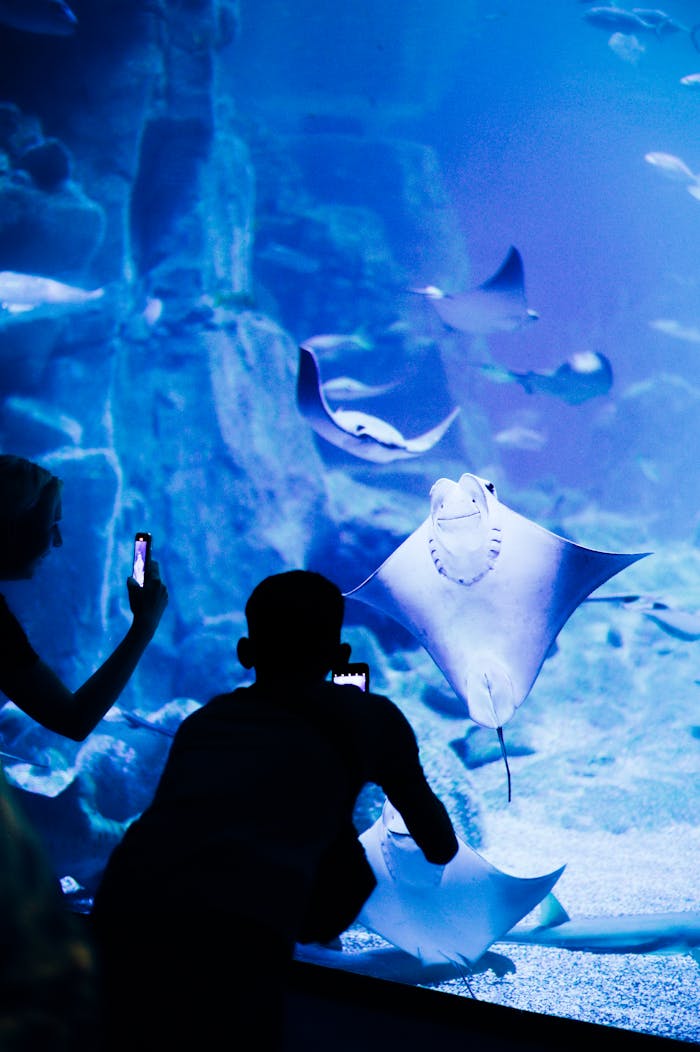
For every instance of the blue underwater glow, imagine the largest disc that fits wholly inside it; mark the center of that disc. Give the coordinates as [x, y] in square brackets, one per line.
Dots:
[484, 206]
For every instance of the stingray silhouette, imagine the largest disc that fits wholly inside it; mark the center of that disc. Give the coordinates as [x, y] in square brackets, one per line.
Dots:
[497, 305]
[364, 436]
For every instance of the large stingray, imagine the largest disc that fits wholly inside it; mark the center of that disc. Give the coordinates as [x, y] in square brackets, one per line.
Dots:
[497, 305]
[364, 436]
[486, 592]
[441, 913]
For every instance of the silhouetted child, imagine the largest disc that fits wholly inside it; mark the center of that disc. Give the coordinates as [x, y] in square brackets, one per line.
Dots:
[249, 844]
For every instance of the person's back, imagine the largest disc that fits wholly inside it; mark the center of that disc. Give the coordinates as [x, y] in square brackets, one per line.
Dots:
[249, 842]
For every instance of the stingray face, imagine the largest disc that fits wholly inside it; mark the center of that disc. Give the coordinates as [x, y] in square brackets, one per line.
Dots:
[465, 537]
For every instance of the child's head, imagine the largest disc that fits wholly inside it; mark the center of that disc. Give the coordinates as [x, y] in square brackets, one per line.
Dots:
[294, 624]
[30, 509]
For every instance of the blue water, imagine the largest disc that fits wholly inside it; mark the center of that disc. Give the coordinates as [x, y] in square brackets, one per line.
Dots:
[266, 174]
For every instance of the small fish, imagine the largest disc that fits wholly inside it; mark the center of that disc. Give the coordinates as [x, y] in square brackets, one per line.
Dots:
[671, 327]
[333, 342]
[51, 17]
[289, 258]
[616, 19]
[517, 437]
[20, 292]
[671, 166]
[153, 310]
[585, 375]
[345, 388]
[627, 47]
[497, 305]
[139, 721]
[692, 80]
[676, 170]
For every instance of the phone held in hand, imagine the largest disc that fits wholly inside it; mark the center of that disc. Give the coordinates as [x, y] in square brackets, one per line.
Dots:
[142, 556]
[356, 672]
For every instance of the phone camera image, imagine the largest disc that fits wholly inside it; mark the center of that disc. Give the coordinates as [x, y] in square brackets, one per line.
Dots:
[141, 543]
[356, 673]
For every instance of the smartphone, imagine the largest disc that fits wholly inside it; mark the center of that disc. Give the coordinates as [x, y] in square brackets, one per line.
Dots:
[142, 556]
[356, 672]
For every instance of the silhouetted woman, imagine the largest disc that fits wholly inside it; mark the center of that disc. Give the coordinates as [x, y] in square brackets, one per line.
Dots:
[30, 513]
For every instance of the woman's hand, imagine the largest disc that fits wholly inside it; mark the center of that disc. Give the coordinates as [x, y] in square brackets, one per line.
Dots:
[148, 603]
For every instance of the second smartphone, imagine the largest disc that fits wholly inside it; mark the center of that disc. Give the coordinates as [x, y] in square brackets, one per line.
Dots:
[356, 672]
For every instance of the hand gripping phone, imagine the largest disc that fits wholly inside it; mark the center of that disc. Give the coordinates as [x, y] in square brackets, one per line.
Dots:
[356, 672]
[142, 556]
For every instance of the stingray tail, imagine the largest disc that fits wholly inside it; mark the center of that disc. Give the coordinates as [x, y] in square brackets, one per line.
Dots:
[504, 754]
[464, 971]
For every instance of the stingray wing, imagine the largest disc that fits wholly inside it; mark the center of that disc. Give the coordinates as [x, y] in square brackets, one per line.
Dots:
[422, 443]
[443, 913]
[488, 602]
[510, 276]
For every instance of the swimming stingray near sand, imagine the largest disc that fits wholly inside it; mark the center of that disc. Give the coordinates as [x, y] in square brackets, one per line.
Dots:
[586, 374]
[441, 914]
[485, 591]
[364, 436]
[499, 304]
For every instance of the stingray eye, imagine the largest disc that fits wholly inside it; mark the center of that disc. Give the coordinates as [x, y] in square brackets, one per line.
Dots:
[439, 493]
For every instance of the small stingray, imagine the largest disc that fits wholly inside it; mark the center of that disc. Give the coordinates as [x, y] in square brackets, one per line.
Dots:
[486, 592]
[441, 913]
[497, 305]
[584, 375]
[681, 624]
[364, 436]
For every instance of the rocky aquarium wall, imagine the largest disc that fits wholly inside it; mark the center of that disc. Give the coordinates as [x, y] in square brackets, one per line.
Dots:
[478, 220]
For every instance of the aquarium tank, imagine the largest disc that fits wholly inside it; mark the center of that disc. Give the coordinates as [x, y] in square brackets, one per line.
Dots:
[408, 294]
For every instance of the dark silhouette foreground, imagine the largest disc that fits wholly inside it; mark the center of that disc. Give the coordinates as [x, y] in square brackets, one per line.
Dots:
[249, 844]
